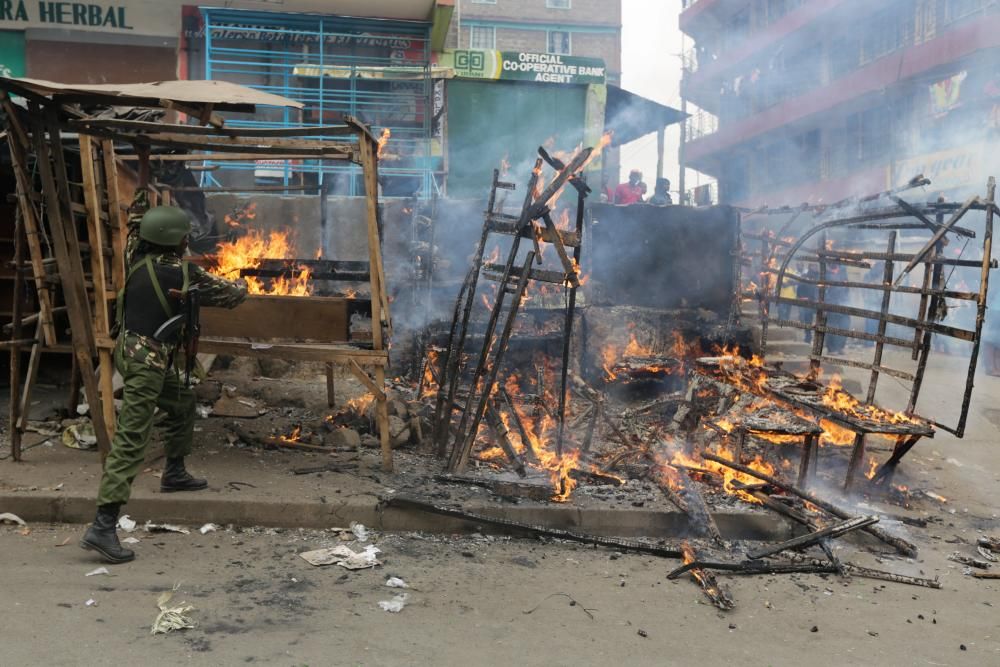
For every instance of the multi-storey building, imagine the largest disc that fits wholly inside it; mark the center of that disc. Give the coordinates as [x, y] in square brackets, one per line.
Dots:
[816, 100]
[564, 27]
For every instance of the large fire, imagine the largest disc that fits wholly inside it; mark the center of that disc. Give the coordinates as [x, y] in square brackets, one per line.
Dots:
[247, 251]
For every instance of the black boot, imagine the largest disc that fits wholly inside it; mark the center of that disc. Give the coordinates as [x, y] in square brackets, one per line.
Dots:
[177, 478]
[102, 537]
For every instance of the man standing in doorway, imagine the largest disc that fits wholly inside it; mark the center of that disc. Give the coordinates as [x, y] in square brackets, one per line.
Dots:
[145, 355]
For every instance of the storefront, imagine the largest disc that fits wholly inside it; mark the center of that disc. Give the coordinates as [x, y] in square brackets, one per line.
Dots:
[90, 42]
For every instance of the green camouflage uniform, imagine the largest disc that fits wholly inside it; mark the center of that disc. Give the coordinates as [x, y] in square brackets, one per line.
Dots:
[152, 380]
[137, 209]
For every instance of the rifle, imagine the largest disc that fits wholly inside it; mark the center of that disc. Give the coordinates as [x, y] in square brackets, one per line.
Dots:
[188, 324]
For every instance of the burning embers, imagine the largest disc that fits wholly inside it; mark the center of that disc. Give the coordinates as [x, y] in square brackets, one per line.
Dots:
[641, 361]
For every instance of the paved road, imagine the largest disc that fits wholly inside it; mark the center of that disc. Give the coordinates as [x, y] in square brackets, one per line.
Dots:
[258, 602]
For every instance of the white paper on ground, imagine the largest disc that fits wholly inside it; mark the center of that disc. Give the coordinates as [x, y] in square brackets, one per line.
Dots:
[13, 518]
[395, 605]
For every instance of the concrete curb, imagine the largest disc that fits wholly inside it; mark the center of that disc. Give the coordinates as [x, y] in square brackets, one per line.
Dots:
[191, 510]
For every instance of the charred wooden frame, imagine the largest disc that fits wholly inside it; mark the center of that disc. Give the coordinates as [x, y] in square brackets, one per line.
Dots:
[777, 251]
[88, 289]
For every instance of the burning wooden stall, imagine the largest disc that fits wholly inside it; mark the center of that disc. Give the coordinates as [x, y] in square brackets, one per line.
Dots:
[821, 297]
[476, 396]
[54, 223]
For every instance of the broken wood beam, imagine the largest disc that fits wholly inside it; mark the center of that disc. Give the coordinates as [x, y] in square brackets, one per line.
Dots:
[901, 545]
[713, 591]
[803, 541]
[869, 573]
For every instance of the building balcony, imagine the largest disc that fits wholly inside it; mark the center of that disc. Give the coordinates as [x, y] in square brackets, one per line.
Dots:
[708, 70]
[962, 40]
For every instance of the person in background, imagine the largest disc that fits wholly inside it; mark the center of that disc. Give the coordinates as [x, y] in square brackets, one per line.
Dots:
[787, 292]
[661, 193]
[631, 192]
[807, 290]
[837, 296]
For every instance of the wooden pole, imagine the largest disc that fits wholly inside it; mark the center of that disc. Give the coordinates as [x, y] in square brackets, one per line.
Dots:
[52, 169]
[377, 284]
[899, 543]
[99, 274]
[886, 296]
[984, 283]
[15, 349]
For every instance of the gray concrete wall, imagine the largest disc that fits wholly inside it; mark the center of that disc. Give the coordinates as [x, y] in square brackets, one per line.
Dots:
[347, 237]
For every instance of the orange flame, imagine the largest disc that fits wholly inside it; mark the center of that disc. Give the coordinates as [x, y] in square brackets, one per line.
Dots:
[247, 251]
[383, 140]
[293, 436]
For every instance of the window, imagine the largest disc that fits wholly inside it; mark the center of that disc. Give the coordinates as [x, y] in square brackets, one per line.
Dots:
[959, 9]
[560, 42]
[482, 37]
[558, 4]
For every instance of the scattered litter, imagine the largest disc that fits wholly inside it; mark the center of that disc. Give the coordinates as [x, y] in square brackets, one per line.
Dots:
[396, 582]
[987, 554]
[91, 602]
[572, 603]
[935, 496]
[12, 518]
[204, 411]
[395, 605]
[959, 557]
[126, 523]
[82, 409]
[260, 346]
[344, 557]
[65, 542]
[359, 531]
[58, 487]
[208, 528]
[131, 540]
[80, 436]
[100, 570]
[171, 618]
[151, 527]
[43, 429]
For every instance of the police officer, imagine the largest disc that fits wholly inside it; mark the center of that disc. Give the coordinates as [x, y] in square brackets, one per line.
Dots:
[149, 368]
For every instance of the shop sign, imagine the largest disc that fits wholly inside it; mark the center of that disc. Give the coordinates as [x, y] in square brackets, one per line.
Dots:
[947, 170]
[149, 17]
[522, 66]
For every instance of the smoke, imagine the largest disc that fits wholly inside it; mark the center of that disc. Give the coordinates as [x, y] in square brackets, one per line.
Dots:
[857, 97]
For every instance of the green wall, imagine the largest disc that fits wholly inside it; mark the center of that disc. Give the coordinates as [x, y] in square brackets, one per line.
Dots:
[490, 120]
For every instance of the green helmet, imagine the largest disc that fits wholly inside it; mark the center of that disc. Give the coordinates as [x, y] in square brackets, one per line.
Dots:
[164, 225]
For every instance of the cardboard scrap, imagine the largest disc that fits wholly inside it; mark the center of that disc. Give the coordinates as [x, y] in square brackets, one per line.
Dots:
[344, 557]
[171, 617]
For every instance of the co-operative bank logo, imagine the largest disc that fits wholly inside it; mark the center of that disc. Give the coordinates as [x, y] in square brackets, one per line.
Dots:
[470, 61]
